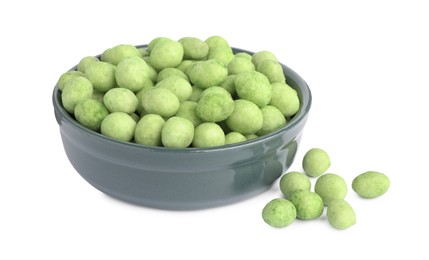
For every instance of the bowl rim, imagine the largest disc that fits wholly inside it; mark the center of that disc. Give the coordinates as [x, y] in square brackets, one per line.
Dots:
[305, 105]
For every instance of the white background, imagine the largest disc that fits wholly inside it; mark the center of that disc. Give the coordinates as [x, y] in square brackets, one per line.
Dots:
[366, 62]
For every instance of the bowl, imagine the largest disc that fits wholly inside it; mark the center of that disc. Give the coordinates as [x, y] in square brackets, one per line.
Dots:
[183, 179]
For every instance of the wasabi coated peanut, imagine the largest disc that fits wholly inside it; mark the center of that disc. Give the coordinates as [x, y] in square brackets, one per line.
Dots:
[179, 86]
[215, 107]
[66, 76]
[139, 96]
[234, 137]
[216, 41]
[119, 126]
[209, 73]
[228, 84]
[293, 181]
[196, 94]
[183, 66]
[222, 54]
[251, 136]
[284, 98]
[258, 57]
[148, 130]
[83, 63]
[273, 119]
[167, 72]
[120, 100]
[243, 55]
[152, 72]
[279, 213]
[371, 184]
[316, 161]
[194, 48]
[240, 65]
[90, 113]
[272, 70]
[208, 135]
[239, 121]
[309, 205]
[166, 54]
[187, 110]
[216, 90]
[253, 86]
[177, 132]
[76, 90]
[155, 41]
[330, 187]
[118, 53]
[132, 73]
[160, 101]
[102, 75]
[340, 214]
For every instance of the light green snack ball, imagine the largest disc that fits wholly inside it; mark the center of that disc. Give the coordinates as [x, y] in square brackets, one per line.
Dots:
[120, 100]
[132, 73]
[118, 53]
[251, 136]
[284, 98]
[188, 110]
[196, 94]
[234, 137]
[316, 161]
[179, 86]
[216, 90]
[216, 41]
[194, 48]
[183, 66]
[209, 73]
[253, 86]
[160, 101]
[272, 70]
[371, 184]
[208, 135]
[258, 57]
[119, 126]
[273, 120]
[83, 63]
[309, 205]
[239, 121]
[139, 96]
[222, 54]
[153, 74]
[167, 72]
[66, 76]
[228, 84]
[102, 75]
[215, 107]
[340, 214]
[75, 90]
[279, 213]
[166, 54]
[330, 187]
[239, 65]
[293, 181]
[177, 132]
[148, 130]
[243, 55]
[90, 113]
[155, 41]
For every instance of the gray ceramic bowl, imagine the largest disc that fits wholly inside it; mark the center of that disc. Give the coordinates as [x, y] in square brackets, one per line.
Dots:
[183, 179]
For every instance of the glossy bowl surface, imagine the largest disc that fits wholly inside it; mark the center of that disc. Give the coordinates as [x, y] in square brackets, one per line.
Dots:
[183, 179]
